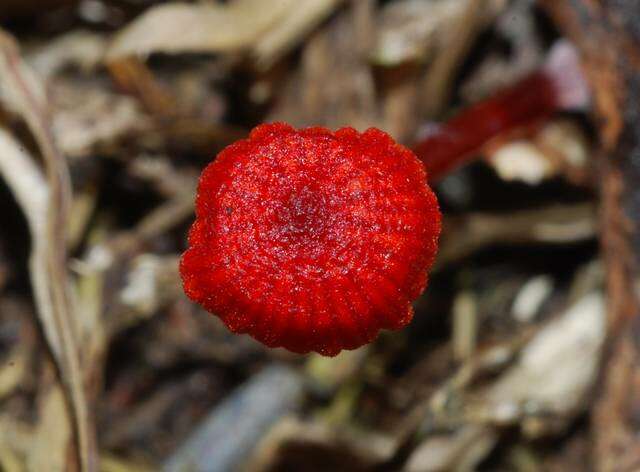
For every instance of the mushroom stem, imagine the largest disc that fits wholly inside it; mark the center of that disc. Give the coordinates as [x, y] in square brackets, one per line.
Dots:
[558, 85]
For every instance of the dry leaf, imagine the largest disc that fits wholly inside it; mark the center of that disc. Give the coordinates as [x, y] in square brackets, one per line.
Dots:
[182, 28]
[558, 367]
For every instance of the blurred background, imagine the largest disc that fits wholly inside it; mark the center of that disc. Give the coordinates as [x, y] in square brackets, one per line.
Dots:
[523, 352]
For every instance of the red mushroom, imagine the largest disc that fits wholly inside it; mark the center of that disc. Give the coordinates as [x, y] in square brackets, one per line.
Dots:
[312, 240]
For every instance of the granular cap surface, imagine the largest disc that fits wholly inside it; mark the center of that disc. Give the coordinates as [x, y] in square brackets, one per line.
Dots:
[312, 240]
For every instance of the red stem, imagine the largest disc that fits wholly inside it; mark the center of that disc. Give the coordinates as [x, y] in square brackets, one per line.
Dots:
[454, 143]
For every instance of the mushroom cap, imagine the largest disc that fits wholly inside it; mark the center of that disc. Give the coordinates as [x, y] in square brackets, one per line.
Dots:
[312, 240]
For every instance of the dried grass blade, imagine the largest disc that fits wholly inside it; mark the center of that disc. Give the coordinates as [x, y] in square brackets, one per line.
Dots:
[21, 91]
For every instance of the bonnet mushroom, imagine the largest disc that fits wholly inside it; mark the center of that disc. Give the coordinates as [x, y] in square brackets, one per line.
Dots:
[314, 240]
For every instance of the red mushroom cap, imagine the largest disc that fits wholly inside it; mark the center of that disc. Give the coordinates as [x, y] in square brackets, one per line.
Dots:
[312, 240]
